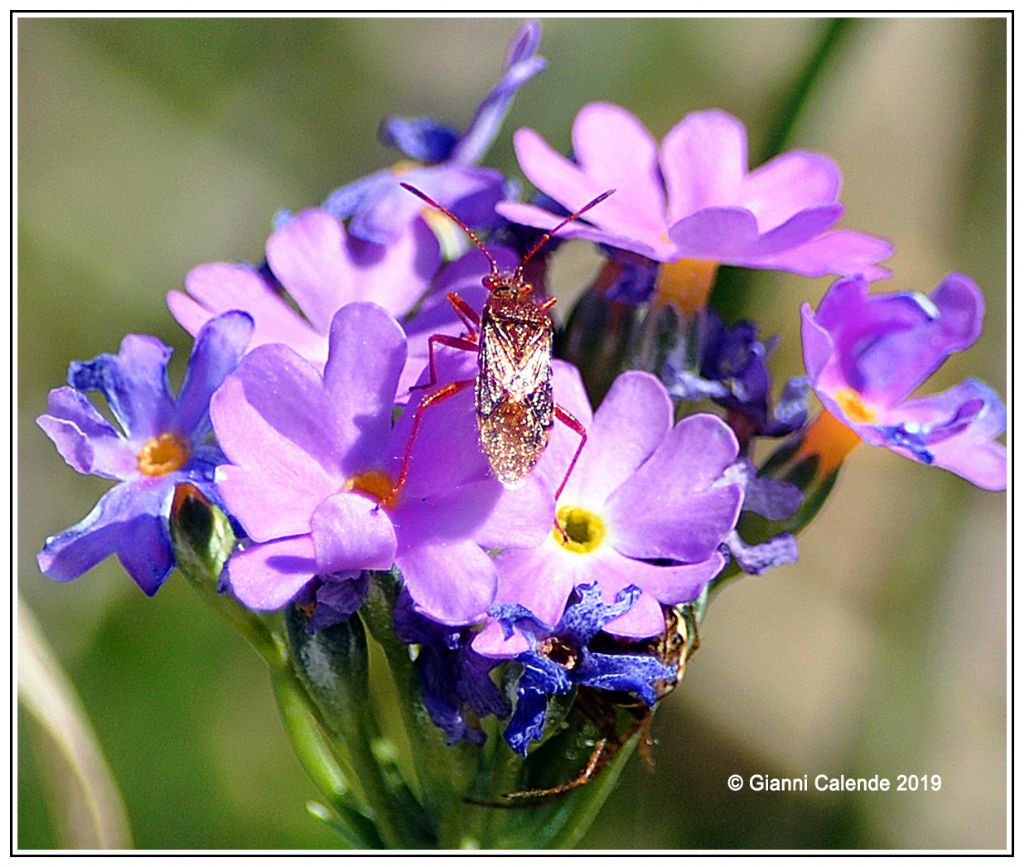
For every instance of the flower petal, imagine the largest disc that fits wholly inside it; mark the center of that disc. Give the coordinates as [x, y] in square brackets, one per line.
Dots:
[367, 357]
[970, 453]
[419, 138]
[451, 581]
[717, 234]
[689, 521]
[446, 453]
[840, 252]
[520, 518]
[267, 577]
[470, 192]
[633, 419]
[134, 382]
[484, 511]
[788, 184]
[530, 215]
[616, 151]
[267, 462]
[130, 521]
[309, 257]
[892, 367]
[351, 531]
[684, 526]
[217, 351]
[553, 174]
[221, 286]
[86, 440]
[540, 579]
[395, 275]
[521, 64]
[703, 160]
[667, 585]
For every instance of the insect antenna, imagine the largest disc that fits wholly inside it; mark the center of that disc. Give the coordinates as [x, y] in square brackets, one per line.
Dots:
[457, 221]
[547, 236]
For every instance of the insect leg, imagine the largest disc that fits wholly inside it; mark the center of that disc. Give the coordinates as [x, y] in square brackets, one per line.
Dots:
[547, 304]
[430, 400]
[445, 340]
[570, 421]
[466, 313]
[598, 759]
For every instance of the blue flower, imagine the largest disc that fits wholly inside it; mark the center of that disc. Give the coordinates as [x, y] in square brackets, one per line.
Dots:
[454, 678]
[162, 442]
[773, 499]
[729, 365]
[444, 164]
[560, 660]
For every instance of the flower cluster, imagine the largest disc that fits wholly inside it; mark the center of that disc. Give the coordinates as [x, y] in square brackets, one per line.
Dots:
[329, 407]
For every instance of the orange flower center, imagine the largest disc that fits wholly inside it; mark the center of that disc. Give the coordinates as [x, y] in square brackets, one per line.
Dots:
[163, 454]
[855, 407]
[686, 283]
[830, 440]
[375, 484]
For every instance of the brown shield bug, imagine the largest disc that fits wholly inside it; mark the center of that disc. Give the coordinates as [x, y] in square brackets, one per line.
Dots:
[515, 407]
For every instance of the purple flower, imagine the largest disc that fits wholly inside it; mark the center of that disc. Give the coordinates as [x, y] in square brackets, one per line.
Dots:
[162, 442]
[559, 659]
[729, 365]
[322, 269]
[866, 354]
[646, 505]
[444, 163]
[455, 680]
[692, 204]
[314, 461]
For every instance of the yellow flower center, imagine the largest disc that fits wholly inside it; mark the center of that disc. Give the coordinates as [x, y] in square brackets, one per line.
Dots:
[376, 484]
[686, 283]
[163, 454]
[856, 409]
[583, 530]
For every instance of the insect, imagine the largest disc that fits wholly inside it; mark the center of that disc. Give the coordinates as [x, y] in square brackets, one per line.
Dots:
[515, 407]
[672, 648]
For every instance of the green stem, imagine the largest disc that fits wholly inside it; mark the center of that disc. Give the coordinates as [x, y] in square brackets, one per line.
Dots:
[256, 630]
[591, 798]
[735, 285]
[442, 771]
[836, 30]
[329, 771]
[332, 667]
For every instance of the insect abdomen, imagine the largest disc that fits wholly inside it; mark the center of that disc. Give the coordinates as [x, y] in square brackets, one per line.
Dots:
[513, 441]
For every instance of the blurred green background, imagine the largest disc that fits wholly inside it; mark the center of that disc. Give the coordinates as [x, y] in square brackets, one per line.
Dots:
[149, 146]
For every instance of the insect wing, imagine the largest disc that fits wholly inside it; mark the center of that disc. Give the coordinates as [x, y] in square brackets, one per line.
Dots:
[514, 399]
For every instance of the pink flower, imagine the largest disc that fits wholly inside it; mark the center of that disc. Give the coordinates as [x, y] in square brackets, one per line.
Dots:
[693, 198]
[646, 505]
